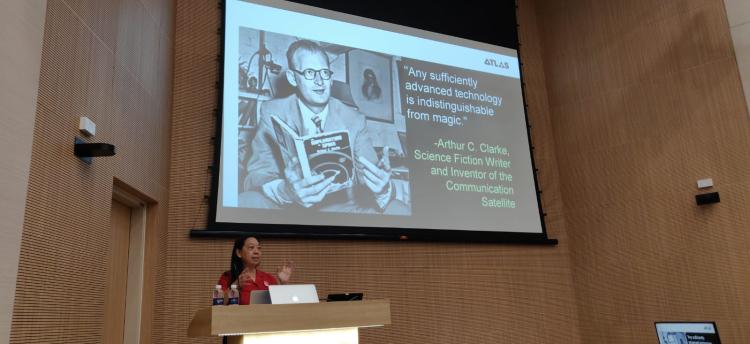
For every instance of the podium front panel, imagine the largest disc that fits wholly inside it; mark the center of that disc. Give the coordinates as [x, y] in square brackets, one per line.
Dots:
[325, 336]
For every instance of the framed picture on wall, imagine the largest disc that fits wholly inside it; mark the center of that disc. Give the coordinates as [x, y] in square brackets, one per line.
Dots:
[369, 77]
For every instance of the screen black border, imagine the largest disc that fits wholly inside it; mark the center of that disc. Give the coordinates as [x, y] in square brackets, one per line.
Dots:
[226, 229]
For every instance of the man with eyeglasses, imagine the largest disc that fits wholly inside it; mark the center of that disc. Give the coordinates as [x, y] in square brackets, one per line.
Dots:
[273, 183]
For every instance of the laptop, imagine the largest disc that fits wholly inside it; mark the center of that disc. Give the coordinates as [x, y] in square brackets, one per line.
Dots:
[293, 293]
[260, 297]
[345, 297]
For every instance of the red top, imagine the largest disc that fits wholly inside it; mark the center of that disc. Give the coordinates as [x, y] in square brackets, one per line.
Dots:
[262, 281]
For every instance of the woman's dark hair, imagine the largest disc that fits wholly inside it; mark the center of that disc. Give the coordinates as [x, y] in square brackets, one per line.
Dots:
[237, 264]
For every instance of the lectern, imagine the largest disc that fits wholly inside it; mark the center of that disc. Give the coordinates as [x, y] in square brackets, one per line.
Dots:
[311, 323]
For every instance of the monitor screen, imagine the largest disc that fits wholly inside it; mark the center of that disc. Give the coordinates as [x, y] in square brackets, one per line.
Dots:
[687, 333]
[338, 124]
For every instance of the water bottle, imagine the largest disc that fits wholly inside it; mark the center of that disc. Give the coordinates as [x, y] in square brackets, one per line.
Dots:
[218, 296]
[234, 295]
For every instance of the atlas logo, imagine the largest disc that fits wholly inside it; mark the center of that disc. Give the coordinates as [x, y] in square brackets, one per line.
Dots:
[495, 63]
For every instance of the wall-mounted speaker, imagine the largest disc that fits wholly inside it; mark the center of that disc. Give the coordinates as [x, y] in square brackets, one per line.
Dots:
[707, 198]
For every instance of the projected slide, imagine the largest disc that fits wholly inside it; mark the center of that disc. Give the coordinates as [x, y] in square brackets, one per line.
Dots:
[335, 120]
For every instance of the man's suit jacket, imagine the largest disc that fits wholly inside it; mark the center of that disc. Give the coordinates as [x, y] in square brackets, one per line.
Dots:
[266, 161]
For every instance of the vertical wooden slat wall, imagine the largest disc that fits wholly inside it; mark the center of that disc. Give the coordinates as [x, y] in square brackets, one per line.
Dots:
[645, 99]
[440, 293]
[632, 100]
[112, 62]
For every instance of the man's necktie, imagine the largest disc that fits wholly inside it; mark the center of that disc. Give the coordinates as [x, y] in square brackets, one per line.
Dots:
[318, 123]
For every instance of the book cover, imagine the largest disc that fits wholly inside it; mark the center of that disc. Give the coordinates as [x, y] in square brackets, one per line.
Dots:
[328, 153]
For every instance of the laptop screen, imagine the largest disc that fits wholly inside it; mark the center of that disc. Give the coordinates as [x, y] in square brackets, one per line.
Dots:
[260, 297]
[687, 332]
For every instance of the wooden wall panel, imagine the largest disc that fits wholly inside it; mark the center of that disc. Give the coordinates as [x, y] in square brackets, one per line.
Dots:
[440, 293]
[94, 64]
[645, 99]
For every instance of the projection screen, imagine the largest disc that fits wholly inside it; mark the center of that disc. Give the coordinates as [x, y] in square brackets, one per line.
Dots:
[333, 124]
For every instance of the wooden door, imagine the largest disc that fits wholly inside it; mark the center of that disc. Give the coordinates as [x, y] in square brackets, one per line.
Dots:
[117, 274]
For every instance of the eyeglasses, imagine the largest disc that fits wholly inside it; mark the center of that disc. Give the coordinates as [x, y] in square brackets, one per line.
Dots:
[310, 73]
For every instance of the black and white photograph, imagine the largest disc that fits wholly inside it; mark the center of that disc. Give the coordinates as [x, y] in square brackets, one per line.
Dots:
[673, 338]
[370, 74]
[317, 129]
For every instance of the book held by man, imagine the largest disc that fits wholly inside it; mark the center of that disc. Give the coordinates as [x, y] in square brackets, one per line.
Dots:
[327, 153]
